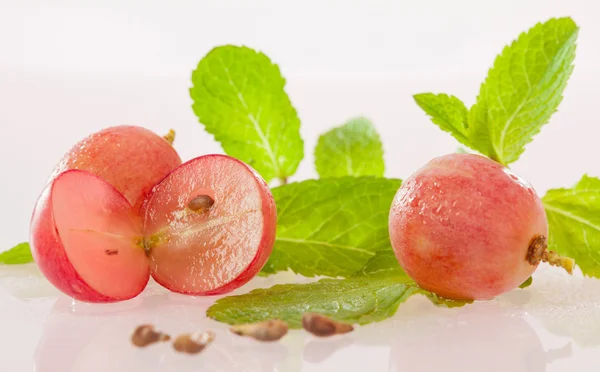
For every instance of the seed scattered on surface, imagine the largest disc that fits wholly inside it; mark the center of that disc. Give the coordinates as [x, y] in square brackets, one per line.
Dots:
[270, 330]
[193, 343]
[201, 203]
[145, 335]
[111, 252]
[322, 326]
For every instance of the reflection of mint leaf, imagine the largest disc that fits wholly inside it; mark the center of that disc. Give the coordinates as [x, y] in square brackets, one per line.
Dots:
[372, 295]
[574, 223]
[331, 226]
[19, 254]
[521, 92]
[448, 112]
[239, 96]
[354, 149]
[523, 89]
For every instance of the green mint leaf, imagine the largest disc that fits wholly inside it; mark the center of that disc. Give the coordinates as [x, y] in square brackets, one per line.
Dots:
[574, 223]
[372, 295]
[382, 264]
[354, 300]
[19, 254]
[526, 283]
[332, 226]
[240, 98]
[354, 149]
[448, 112]
[522, 90]
[462, 150]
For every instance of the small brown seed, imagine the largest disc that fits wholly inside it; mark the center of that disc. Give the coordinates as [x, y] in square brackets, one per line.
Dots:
[201, 203]
[193, 343]
[145, 335]
[322, 326]
[111, 252]
[270, 330]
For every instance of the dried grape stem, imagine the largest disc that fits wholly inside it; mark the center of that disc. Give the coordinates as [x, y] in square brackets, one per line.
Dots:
[170, 137]
[148, 243]
[538, 252]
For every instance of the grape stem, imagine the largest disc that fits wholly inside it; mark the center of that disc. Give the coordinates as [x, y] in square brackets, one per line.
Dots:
[152, 241]
[538, 252]
[170, 137]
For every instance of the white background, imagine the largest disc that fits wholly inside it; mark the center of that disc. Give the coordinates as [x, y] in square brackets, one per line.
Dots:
[69, 68]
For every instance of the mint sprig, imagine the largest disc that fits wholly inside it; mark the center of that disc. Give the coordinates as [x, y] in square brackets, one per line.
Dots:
[354, 149]
[574, 223]
[370, 295]
[239, 95]
[331, 227]
[521, 92]
[19, 254]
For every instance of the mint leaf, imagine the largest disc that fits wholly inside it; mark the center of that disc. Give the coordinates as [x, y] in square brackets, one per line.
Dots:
[239, 96]
[574, 223]
[462, 150]
[522, 90]
[448, 112]
[354, 149]
[526, 283]
[372, 295]
[355, 300]
[19, 254]
[382, 264]
[332, 226]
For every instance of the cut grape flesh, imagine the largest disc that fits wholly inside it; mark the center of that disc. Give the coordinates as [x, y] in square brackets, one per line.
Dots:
[215, 249]
[86, 238]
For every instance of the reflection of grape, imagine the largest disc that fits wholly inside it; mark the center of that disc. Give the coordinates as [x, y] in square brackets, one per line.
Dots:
[96, 338]
[567, 305]
[475, 340]
[481, 337]
[26, 282]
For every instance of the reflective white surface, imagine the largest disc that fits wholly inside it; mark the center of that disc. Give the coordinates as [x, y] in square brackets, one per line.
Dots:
[554, 325]
[69, 68]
